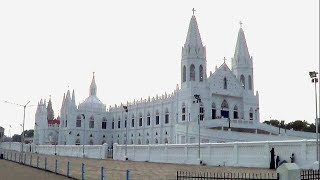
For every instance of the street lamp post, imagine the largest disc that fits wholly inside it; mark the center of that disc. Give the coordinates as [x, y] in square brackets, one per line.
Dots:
[197, 96]
[84, 131]
[126, 124]
[314, 79]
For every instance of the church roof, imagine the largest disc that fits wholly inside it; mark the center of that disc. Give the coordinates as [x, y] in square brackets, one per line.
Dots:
[241, 52]
[193, 36]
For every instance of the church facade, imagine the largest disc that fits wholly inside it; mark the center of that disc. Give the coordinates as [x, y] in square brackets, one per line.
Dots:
[208, 102]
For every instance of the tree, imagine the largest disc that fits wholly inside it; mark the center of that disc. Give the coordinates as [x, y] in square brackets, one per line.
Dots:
[16, 138]
[29, 133]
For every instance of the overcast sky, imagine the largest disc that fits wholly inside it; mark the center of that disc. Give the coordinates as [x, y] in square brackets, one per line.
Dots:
[134, 47]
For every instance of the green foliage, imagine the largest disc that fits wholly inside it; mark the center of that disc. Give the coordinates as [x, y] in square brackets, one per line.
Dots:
[297, 125]
[16, 138]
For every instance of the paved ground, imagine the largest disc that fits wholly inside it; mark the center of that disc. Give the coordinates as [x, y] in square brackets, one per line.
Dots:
[11, 170]
[117, 169]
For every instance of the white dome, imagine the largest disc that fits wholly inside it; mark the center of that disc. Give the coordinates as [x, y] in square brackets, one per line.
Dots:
[92, 103]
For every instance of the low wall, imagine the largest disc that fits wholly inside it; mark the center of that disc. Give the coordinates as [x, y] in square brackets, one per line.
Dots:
[90, 151]
[238, 154]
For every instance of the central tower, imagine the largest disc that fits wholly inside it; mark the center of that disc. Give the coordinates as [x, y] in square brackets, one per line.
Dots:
[193, 60]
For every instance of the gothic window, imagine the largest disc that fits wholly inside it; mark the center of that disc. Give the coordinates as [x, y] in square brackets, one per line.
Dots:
[119, 124]
[224, 109]
[183, 112]
[201, 112]
[66, 123]
[131, 141]
[225, 83]
[250, 82]
[157, 118]
[91, 122]
[112, 126]
[166, 118]
[140, 120]
[235, 112]
[78, 122]
[192, 73]
[213, 111]
[132, 121]
[147, 141]
[200, 73]
[251, 114]
[91, 142]
[77, 142]
[156, 141]
[243, 81]
[166, 140]
[104, 123]
[184, 73]
[148, 119]
[139, 141]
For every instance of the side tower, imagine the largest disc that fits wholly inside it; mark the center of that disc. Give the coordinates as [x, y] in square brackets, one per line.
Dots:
[193, 58]
[41, 123]
[242, 65]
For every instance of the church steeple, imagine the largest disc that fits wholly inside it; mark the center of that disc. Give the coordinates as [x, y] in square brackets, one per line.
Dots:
[93, 87]
[50, 113]
[193, 61]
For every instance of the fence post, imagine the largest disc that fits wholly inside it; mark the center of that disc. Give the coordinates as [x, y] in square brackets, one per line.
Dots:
[82, 171]
[30, 159]
[68, 169]
[25, 157]
[127, 174]
[56, 166]
[37, 161]
[102, 174]
[45, 163]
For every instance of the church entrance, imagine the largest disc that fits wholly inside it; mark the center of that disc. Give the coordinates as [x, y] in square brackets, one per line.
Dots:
[224, 114]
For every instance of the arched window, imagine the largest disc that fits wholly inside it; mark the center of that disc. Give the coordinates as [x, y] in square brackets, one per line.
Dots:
[200, 73]
[112, 126]
[201, 110]
[250, 82]
[243, 81]
[140, 119]
[192, 73]
[166, 140]
[132, 121]
[78, 122]
[148, 119]
[184, 74]
[235, 112]
[156, 141]
[139, 141]
[91, 142]
[166, 118]
[251, 114]
[225, 83]
[225, 109]
[77, 142]
[91, 122]
[183, 112]
[147, 141]
[104, 123]
[131, 141]
[213, 111]
[157, 118]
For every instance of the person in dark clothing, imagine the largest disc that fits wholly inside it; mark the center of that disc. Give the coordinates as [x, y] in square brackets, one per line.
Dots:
[292, 158]
[272, 163]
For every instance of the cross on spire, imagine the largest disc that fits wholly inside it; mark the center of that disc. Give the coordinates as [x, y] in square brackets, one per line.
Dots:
[193, 10]
[240, 24]
[93, 74]
[224, 59]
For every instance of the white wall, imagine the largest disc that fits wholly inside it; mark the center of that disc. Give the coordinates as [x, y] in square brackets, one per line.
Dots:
[90, 151]
[241, 154]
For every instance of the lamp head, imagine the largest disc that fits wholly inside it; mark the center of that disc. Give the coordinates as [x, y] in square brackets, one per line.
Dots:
[313, 74]
[197, 96]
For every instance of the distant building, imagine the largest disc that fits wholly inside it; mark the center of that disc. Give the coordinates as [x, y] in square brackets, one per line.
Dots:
[228, 111]
[1, 133]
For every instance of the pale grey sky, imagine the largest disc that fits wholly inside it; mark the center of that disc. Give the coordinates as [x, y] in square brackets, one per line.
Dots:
[47, 47]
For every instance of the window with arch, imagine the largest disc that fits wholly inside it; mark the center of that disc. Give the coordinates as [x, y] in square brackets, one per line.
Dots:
[157, 118]
[224, 109]
[104, 123]
[166, 117]
[148, 119]
[225, 83]
[183, 112]
[112, 125]
[243, 81]
[200, 73]
[147, 141]
[131, 141]
[251, 114]
[201, 112]
[250, 82]
[140, 120]
[91, 122]
[77, 142]
[235, 112]
[184, 74]
[132, 121]
[156, 141]
[139, 141]
[166, 140]
[119, 124]
[78, 122]
[192, 73]
[213, 111]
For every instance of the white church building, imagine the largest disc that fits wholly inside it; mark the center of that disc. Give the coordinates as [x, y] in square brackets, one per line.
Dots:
[227, 108]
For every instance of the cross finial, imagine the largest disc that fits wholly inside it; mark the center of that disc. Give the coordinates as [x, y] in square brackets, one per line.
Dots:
[240, 24]
[224, 59]
[193, 10]
[93, 73]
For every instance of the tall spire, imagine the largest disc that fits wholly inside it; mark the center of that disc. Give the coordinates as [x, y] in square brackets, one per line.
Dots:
[193, 36]
[50, 113]
[73, 98]
[93, 87]
[241, 54]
